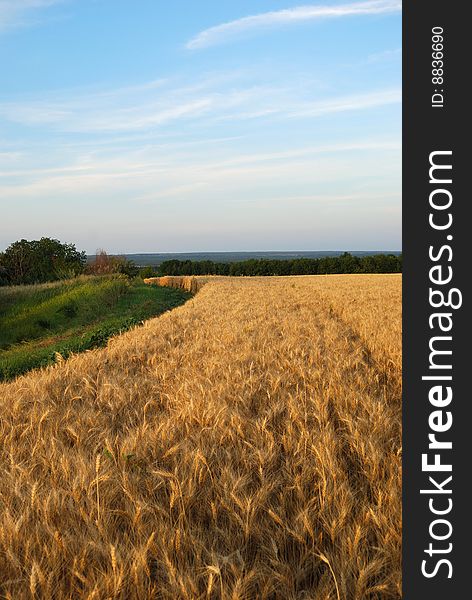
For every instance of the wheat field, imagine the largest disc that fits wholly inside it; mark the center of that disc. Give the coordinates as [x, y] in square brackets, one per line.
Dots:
[246, 445]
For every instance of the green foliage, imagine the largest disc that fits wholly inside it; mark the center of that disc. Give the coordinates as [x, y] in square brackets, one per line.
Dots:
[37, 261]
[346, 263]
[148, 271]
[69, 309]
[65, 317]
[128, 268]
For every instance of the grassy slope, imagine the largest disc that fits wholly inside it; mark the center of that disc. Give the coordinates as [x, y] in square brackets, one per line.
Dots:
[246, 445]
[72, 316]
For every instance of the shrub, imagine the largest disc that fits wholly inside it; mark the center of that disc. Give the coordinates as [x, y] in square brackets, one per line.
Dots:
[147, 272]
[38, 261]
[105, 264]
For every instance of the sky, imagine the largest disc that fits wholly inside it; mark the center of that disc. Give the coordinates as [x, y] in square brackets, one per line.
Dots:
[158, 126]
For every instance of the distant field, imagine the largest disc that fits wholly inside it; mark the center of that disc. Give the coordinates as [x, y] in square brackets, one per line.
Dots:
[246, 445]
[38, 321]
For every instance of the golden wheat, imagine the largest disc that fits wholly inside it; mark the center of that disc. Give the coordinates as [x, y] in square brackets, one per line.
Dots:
[243, 446]
[188, 283]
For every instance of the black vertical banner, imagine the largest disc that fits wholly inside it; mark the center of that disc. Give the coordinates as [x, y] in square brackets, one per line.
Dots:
[436, 323]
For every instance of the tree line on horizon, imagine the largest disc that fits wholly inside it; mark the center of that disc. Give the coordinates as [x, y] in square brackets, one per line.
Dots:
[39, 261]
[345, 263]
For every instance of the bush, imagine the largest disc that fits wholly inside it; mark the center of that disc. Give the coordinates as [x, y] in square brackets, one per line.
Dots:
[38, 261]
[148, 271]
[128, 268]
[104, 264]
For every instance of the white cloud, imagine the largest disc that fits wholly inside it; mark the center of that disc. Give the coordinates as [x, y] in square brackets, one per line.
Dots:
[148, 176]
[384, 56]
[347, 103]
[221, 33]
[147, 108]
[13, 13]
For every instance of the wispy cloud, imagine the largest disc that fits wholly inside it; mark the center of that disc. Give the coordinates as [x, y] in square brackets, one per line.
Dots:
[225, 31]
[347, 103]
[148, 107]
[150, 175]
[15, 13]
[384, 56]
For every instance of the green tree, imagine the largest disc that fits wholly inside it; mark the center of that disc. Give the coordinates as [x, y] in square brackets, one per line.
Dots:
[38, 261]
[127, 267]
[147, 271]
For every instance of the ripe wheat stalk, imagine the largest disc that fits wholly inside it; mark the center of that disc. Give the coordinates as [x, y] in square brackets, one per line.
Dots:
[246, 445]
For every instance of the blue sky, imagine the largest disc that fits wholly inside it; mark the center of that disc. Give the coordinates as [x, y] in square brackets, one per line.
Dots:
[157, 126]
